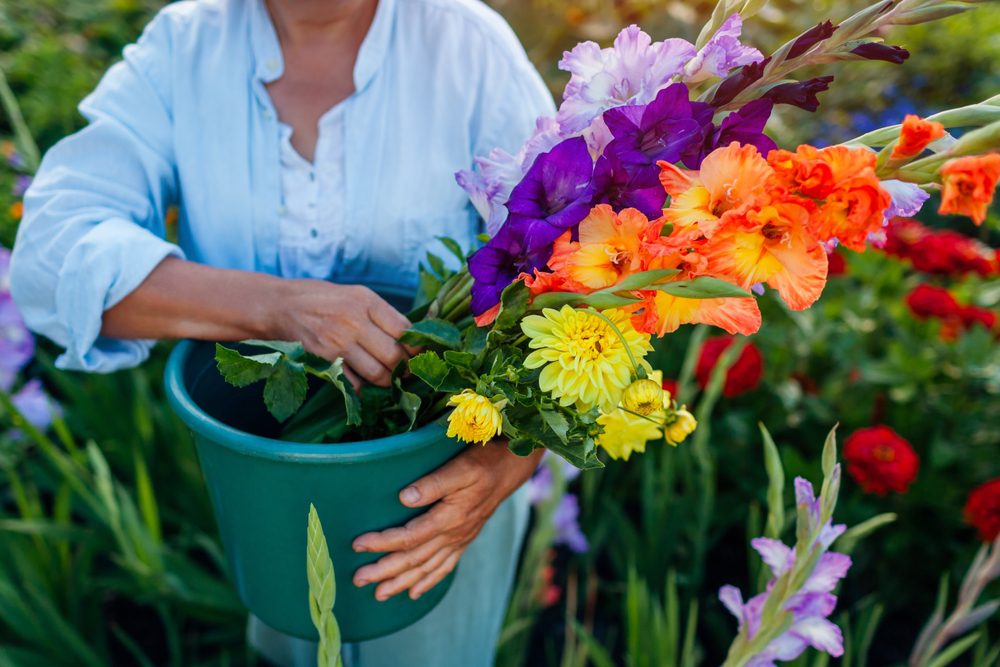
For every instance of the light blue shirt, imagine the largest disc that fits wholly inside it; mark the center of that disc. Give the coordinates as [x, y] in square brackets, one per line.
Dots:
[185, 119]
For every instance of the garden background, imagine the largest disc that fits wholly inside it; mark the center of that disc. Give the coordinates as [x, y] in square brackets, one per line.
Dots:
[109, 553]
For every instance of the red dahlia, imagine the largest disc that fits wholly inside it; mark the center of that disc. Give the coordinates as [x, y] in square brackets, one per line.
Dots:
[982, 510]
[880, 460]
[930, 301]
[742, 376]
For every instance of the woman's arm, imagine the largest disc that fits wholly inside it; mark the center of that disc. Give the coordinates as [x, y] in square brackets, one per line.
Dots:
[181, 299]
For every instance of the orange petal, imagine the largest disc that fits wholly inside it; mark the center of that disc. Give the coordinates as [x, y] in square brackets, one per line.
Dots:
[664, 313]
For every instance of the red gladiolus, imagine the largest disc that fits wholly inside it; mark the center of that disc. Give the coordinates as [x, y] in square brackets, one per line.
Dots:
[972, 315]
[929, 301]
[939, 252]
[982, 510]
[880, 460]
[743, 376]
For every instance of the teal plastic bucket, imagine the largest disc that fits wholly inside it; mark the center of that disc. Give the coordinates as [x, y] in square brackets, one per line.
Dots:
[261, 489]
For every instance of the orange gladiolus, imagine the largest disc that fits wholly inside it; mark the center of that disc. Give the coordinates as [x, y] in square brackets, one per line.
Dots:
[661, 313]
[772, 246]
[915, 135]
[609, 248]
[731, 181]
[849, 202]
[969, 183]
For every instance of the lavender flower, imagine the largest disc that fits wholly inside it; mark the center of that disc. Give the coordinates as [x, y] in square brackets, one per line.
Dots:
[21, 184]
[722, 53]
[907, 199]
[17, 345]
[541, 486]
[489, 185]
[35, 405]
[568, 531]
[631, 72]
[810, 604]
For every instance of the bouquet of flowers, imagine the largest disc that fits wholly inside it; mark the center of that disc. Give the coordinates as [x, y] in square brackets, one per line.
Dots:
[653, 199]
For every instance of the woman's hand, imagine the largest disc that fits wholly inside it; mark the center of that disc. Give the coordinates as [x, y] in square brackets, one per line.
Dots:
[348, 321]
[466, 491]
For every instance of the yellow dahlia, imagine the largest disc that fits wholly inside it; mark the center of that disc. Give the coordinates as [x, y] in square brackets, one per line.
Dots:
[644, 397]
[625, 433]
[474, 419]
[679, 426]
[585, 361]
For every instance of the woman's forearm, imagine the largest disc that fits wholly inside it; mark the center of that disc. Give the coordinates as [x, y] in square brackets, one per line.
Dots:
[182, 299]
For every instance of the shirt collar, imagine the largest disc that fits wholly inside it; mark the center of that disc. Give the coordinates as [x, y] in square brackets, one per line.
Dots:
[269, 64]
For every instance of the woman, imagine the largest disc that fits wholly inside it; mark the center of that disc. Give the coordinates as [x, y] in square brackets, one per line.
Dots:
[309, 146]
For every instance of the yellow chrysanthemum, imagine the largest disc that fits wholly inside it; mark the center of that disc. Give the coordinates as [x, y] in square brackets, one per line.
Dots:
[625, 433]
[474, 419]
[584, 361]
[680, 425]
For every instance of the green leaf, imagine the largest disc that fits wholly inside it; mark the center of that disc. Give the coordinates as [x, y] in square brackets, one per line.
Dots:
[950, 654]
[240, 371]
[459, 359]
[293, 350]
[322, 593]
[453, 248]
[285, 390]
[409, 402]
[641, 280]
[703, 287]
[603, 301]
[513, 305]
[557, 422]
[433, 332]
[775, 486]
[474, 339]
[599, 300]
[334, 374]
[433, 370]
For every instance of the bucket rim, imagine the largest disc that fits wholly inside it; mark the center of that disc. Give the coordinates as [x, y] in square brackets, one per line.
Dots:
[213, 430]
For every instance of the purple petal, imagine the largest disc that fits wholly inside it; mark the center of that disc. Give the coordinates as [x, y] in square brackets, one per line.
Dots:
[554, 188]
[17, 345]
[567, 528]
[34, 404]
[21, 184]
[907, 199]
[886, 52]
[812, 604]
[809, 38]
[801, 94]
[732, 599]
[737, 82]
[775, 554]
[721, 53]
[821, 634]
[831, 568]
[540, 485]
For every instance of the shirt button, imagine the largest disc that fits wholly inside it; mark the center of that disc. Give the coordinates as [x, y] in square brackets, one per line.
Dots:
[267, 114]
[313, 232]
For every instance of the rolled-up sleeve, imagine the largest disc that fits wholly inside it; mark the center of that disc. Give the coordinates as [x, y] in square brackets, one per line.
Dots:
[94, 221]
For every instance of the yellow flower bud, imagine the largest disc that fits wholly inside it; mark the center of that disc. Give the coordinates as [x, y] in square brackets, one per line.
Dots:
[679, 426]
[474, 419]
[643, 397]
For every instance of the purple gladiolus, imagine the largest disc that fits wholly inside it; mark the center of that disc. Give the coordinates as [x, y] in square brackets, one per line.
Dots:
[631, 72]
[660, 130]
[35, 405]
[554, 189]
[886, 52]
[541, 486]
[907, 199]
[21, 184]
[17, 345]
[521, 246]
[810, 605]
[801, 94]
[621, 187]
[738, 81]
[744, 126]
[809, 38]
[722, 53]
[568, 530]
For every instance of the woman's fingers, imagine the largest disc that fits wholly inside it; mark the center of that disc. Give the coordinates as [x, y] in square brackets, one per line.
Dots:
[432, 579]
[453, 476]
[397, 563]
[413, 533]
[387, 318]
[411, 576]
[367, 366]
[382, 347]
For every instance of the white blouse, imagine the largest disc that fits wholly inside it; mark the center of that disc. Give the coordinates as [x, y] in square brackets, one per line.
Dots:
[312, 214]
